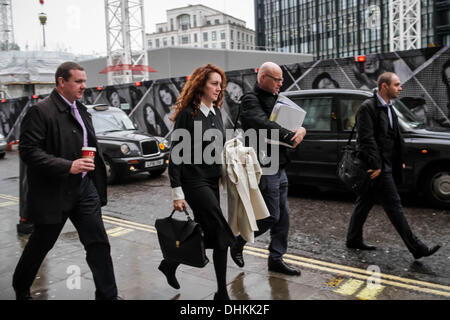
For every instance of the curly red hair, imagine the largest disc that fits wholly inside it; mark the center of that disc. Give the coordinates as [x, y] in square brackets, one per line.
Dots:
[193, 89]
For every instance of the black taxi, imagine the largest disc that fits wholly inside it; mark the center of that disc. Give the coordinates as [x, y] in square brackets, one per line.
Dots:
[126, 149]
[329, 121]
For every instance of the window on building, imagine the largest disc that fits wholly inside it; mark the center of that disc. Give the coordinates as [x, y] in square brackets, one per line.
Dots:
[205, 46]
[217, 21]
[205, 36]
[195, 21]
[195, 37]
[171, 25]
[223, 45]
[185, 22]
[150, 43]
[157, 43]
[232, 34]
[164, 42]
[214, 36]
[172, 41]
[223, 35]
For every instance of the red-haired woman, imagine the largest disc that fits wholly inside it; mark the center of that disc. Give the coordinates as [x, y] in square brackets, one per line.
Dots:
[196, 182]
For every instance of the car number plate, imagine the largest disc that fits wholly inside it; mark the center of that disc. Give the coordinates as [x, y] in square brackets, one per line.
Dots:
[151, 164]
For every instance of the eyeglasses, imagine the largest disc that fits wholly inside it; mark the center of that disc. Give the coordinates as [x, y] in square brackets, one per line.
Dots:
[275, 79]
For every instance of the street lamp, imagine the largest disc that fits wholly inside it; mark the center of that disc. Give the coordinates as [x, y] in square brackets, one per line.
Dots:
[43, 20]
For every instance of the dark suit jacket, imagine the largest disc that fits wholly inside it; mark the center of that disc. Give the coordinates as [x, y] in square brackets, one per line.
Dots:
[256, 108]
[378, 145]
[51, 139]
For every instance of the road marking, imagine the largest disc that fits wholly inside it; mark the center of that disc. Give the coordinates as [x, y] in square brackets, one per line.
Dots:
[354, 275]
[7, 204]
[370, 292]
[117, 232]
[129, 224]
[335, 282]
[8, 197]
[353, 270]
[339, 270]
[349, 287]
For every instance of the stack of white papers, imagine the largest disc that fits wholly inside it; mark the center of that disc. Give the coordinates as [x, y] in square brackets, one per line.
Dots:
[288, 115]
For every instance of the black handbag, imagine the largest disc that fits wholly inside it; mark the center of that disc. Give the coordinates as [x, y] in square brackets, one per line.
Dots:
[351, 170]
[182, 241]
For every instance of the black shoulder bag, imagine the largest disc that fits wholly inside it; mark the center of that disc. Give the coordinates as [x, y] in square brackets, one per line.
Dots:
[182, 241]
[351, 169]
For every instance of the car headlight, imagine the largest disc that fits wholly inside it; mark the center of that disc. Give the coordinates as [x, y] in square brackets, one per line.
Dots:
[164, 144]
[125, 149]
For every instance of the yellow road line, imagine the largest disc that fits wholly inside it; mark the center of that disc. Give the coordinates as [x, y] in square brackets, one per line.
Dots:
[7, 204]
[370, 292]
[349, 287]
[128, 222]
[8, 197]
[117, 232]
[122, 224]
[356, 270]
[355, 275]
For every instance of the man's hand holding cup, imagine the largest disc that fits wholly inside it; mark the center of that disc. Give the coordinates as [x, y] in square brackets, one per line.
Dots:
[86, 163]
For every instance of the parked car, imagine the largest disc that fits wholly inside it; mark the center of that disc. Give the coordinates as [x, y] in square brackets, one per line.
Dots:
[329, 120]
[3, 145]
[126, 149]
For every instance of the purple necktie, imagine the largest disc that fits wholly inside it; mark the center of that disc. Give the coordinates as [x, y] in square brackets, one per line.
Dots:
[77, 115]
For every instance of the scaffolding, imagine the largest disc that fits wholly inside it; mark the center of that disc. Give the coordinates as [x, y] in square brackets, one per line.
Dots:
[6, 26]
[126, 45]
[405, 24]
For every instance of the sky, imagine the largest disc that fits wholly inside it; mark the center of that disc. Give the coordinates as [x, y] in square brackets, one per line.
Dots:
[78, 26]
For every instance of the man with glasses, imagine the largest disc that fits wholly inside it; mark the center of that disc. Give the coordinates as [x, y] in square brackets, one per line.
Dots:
[256, 109]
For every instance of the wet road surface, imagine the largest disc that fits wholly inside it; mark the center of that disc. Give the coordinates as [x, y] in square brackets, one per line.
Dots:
[316, 246]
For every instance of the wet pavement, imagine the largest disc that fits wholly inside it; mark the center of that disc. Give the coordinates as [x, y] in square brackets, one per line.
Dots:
[316, 247]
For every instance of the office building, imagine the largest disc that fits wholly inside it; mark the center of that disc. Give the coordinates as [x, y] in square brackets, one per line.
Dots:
[343, 28]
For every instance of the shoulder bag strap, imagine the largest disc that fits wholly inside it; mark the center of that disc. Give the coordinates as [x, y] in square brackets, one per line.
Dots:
[351, 135]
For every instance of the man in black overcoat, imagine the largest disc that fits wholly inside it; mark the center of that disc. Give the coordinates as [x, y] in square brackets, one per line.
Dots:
[256, 109]
[381, 147]
[61, 184]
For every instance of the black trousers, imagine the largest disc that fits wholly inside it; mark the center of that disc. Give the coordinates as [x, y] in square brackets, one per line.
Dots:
[383, 187]
[87, 219]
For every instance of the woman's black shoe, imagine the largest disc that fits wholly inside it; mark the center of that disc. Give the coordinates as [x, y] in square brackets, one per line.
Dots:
[169, 271]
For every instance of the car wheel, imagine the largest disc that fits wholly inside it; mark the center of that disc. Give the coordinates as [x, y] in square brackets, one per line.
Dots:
[2, 155]
[437, 187]
[111, 174]
[157, 173]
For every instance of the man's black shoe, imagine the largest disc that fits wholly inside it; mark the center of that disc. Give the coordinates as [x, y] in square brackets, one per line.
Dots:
[23, 295]
[236, 255]
[360, 246]
[281, 267]
[427, 252]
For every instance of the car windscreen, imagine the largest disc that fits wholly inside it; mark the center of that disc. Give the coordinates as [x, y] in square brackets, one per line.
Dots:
[111, 121]
[406, 116]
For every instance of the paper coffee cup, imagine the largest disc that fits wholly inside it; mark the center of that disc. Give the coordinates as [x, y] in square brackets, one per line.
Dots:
[88, 152]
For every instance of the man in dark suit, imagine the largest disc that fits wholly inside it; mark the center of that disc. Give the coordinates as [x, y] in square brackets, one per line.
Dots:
[381, 147]
[62, 184]
[256, 109]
